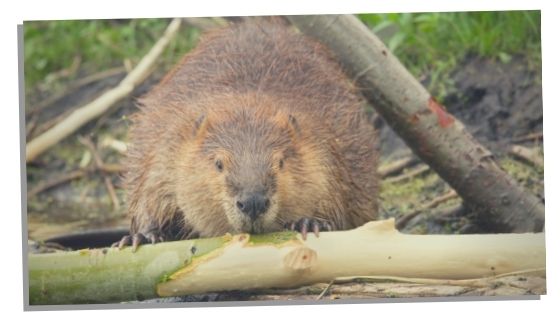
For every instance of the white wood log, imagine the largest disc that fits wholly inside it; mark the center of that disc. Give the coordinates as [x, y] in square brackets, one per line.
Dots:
[375, 249]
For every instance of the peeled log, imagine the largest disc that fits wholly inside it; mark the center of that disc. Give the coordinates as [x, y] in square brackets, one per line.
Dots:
[374, 249]
[278, 260]
[434, 135]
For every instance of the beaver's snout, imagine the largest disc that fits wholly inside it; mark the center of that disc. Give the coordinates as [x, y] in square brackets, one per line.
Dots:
[253, 204]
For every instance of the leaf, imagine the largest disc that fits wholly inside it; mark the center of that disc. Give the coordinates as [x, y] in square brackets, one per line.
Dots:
[504, 57]
[381, 26]
[396, 40]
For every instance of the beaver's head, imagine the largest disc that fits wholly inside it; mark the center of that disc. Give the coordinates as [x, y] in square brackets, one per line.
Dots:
[251, 171]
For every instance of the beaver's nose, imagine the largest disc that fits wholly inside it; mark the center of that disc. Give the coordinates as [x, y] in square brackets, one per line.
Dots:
[253, 205]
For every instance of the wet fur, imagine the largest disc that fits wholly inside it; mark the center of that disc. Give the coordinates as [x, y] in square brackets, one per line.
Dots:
[285, 97]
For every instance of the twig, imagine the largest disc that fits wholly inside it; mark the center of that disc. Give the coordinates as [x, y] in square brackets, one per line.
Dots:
[320, 296]
[443, 214]
[50, 123]
[415, 172]
[30, 126]
[55, 182]
[440, 199]
[529, 137]
[402, 221]
[529, 155]
[117, 145]
[75, 174]
[72, 87]
[112, 168]
[66, 72]
[96, 108]
[99, 163]
[396, 166]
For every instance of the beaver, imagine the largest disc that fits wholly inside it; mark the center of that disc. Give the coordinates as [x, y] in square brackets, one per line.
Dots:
[256, 130]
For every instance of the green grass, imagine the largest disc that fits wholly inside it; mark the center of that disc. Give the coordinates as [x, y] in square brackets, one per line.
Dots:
[430, 45]
[433, 44]
[50, 46]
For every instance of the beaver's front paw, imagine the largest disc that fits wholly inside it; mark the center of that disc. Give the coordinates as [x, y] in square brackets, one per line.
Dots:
[309, 224]
[139, 238]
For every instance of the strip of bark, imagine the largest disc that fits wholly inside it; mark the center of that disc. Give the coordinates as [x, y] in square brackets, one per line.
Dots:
[478, 282]
[434, 135]
[96, 108]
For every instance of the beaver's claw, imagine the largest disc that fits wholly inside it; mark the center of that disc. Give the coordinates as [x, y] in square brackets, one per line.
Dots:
[137, 239]
[309, 224]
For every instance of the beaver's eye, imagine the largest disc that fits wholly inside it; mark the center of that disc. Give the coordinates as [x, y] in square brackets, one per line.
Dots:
[219, 165]
[281, 164]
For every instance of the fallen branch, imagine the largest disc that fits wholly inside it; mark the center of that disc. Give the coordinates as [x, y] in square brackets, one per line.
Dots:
[66, 72]
[75, 174]
[396, 166]
[447, 214]
[413, 173]
[55, 182]
[402, 221]
[278, 260]
[72, 87]
[94, 109]
[530, 137]
[30, 126]
[44, 126]
[528, 155]
[100, 165]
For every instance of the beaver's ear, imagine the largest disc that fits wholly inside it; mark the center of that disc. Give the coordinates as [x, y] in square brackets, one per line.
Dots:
[293, 125]
[200, 126]
[287, 121]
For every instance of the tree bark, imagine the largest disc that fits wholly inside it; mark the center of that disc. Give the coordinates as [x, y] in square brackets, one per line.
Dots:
[108, 275]
[434, 135]
[278, 260]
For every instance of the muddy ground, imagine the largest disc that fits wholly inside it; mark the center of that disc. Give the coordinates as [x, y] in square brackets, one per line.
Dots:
[501, 104]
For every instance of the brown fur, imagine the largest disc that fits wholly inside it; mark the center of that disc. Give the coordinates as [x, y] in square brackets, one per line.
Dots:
[251, 96]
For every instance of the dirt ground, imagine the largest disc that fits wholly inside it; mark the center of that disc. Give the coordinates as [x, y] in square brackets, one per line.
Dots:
[500, 104]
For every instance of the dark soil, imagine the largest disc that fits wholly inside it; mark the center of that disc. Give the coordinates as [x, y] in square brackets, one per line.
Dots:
[497, 102]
